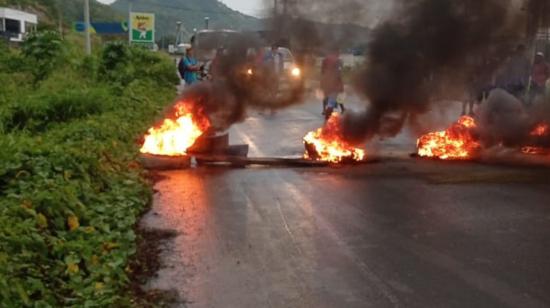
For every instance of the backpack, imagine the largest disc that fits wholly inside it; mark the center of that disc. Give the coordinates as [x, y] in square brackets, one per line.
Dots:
[181, 68]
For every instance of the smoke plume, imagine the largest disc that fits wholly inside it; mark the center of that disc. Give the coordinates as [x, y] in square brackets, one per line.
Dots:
[241, 82]
[428, 45]
[419, 52]
[503, 120]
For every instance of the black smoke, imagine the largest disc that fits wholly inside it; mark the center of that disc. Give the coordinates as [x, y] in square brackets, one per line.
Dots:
[233, 91]
[425, 47]
[503, 120]
[419, 52]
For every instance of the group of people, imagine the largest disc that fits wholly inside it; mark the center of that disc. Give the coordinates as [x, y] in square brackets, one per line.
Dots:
[190, 70]
[518, 76]
[269, 64]
[265, 67]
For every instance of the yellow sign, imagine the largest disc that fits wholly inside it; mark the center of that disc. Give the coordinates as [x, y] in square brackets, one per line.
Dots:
[142, 27]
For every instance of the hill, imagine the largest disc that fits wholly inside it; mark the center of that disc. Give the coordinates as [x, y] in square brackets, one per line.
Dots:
[70, 10]
[191, 13]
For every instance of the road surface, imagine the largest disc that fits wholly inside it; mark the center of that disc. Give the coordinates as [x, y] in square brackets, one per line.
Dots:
[397, 233]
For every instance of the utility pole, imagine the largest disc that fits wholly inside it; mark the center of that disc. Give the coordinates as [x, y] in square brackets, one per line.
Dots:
[60, 17]
[130, 7]
[276, 23]
[88, 27]
[178, 33]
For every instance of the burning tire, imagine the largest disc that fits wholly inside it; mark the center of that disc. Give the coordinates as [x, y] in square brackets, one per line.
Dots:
[210, 144]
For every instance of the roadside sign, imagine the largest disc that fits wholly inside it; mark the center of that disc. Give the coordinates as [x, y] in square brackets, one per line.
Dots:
[142, 27]
[102, 27]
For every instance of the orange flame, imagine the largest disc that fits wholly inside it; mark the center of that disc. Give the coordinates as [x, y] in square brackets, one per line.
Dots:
[533, 150]
[455, 143]
[329, 145]
[540, 130]
[174, 136]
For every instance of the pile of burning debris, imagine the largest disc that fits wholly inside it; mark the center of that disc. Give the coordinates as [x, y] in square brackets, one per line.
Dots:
[187, 134]
[327, 144]
[461, 141]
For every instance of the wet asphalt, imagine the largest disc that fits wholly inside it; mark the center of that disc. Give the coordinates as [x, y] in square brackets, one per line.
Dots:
[399, 232]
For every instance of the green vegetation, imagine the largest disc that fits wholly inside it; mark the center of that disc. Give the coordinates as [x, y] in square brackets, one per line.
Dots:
[71, 187]
[70, 10]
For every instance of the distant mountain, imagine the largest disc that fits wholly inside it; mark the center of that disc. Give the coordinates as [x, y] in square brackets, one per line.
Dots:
[301, 34]
[191, 13]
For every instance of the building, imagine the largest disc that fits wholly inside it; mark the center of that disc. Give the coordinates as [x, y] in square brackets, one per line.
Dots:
[14, 24]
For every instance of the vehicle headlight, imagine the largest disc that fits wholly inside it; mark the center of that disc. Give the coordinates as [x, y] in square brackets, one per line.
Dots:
[295, 72]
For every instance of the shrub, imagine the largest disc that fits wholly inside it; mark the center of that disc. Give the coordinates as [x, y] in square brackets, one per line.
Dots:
[121, 65]
[35, 113]
[66, 222]
[43, 51]
[154, 66]
[71, 188]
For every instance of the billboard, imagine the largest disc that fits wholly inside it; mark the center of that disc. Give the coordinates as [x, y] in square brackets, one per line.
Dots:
[142, 27]
[112, 28]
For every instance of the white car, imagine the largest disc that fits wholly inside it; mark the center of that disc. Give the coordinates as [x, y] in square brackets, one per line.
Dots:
[291, 71]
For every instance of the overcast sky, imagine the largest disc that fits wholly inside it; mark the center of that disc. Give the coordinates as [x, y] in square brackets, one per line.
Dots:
[250, 7]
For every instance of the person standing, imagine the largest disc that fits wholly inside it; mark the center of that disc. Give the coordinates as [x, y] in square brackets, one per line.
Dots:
[216, 70]
[331, 81]
[518, 71]
[273, 59]
[539, 75]
[189, 67]
[273, 66]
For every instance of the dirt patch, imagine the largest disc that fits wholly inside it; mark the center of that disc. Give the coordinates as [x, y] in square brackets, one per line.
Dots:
[155, 176]
[146, 264]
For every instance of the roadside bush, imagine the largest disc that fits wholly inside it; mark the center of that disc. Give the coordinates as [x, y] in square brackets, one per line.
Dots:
[114, 55]
[13, 84]
[72, 190]
[35, 113]
[114, 63]
[10, 61]
[67, 222]
[154, 66]
[42, 51]
[121, 65]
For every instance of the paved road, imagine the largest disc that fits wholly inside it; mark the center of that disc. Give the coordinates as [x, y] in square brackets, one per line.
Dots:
[398, 233]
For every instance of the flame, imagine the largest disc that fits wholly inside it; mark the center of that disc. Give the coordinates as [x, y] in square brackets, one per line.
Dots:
[455, 143]
[533, 150]
[175, 135]
[329, 145]
[542, 129]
